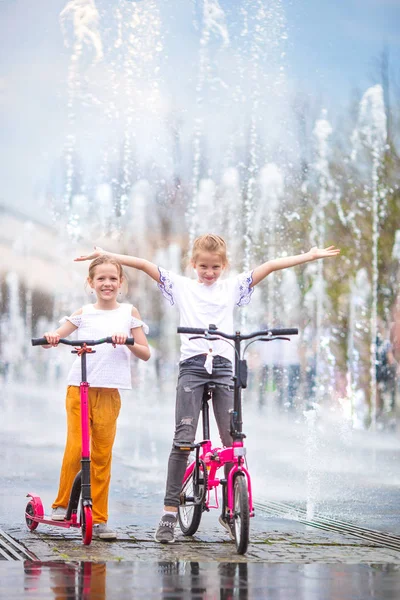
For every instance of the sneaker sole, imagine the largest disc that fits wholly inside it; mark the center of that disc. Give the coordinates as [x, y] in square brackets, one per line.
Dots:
[164, 541]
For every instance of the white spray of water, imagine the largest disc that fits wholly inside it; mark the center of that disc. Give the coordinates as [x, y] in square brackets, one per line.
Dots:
[371, 134]
[206, 196]
[229, 213]
[85, 19]
[143, 43]
[312, 479]
[271, 184]
[213, 23]
[13, 330]
[140, 198]
[317, 299]
[360, 292]
[322, 132]
[263, 33]
[104, 204]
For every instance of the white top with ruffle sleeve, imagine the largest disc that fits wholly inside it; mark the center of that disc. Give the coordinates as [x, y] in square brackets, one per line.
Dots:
[108, 367]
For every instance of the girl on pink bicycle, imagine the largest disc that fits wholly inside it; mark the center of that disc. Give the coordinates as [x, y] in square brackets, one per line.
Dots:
[108, 370]
[207, 299]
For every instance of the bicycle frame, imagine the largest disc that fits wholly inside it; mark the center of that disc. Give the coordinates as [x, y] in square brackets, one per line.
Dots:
[215, 458]
[210, 459]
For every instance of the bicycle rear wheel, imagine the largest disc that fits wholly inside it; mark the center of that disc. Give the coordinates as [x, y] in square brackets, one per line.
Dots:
[193, 495]
[241, 514]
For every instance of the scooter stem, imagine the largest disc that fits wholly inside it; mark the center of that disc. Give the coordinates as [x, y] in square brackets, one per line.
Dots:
[84, 390]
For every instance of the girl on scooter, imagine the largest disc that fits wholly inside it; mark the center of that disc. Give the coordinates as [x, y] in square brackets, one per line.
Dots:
[108, 370]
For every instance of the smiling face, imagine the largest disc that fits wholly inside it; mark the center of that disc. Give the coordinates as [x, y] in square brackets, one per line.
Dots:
[106, 282]
[209, 267]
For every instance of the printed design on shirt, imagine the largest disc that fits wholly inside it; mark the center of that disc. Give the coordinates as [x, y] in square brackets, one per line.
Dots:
[245, 291]
[166, 285]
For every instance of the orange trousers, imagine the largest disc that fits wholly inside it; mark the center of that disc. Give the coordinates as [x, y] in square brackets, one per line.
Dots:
[104, 407]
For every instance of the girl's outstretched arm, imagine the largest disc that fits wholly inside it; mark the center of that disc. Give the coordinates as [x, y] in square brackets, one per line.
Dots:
[277, 264]
[127, 261]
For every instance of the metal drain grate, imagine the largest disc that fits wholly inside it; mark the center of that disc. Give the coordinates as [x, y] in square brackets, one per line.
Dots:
[377, 538]
[12, 550]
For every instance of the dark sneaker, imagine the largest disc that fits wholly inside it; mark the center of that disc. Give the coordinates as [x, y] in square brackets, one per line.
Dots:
[226, 526]
[102, 532]
[165, 530]
[58, 513]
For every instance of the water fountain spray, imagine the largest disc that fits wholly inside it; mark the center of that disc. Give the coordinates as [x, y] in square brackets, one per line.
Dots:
[322, 132]
[371, 134]
[271, 184]
[213, 22]
[85, 19]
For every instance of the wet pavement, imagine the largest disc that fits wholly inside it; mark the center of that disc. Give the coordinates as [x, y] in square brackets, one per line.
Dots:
[194, 580]
[354, 476]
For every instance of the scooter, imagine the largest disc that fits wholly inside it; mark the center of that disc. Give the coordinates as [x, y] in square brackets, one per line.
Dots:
[80, 496]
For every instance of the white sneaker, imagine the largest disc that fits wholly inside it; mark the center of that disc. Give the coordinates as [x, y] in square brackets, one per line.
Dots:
[102, 532]
[58, 513]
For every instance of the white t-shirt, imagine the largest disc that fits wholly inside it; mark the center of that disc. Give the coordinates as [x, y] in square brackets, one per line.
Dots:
[109, 367]
[200, 305]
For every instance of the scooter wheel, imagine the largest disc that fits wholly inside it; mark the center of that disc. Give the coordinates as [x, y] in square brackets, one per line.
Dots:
[30, 510]
[87, 525]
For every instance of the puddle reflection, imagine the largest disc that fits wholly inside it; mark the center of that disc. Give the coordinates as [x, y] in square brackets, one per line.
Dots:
[66, 581]
[102, 581]
[180, 580]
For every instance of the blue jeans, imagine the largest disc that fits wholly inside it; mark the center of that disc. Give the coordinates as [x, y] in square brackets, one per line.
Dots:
[189, 394]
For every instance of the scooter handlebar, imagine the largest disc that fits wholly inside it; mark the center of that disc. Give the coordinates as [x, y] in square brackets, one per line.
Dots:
[108, 340]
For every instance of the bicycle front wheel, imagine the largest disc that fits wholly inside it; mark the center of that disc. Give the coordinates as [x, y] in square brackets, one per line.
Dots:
[241, 514]
[193, 495]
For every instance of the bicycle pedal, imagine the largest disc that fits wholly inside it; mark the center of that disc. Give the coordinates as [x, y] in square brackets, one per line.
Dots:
[185, 446]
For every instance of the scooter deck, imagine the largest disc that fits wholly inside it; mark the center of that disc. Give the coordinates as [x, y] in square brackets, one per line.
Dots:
[47, 520]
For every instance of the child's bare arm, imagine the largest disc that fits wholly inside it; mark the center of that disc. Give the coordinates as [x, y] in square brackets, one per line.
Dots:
[128, 261]
[53, 337]
[141, 347]
[277, 264]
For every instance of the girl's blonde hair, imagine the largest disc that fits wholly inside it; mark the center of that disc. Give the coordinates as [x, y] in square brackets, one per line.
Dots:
[105, 260]
[210, 242]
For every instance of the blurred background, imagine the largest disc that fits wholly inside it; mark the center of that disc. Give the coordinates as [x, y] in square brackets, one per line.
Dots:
[137, 125]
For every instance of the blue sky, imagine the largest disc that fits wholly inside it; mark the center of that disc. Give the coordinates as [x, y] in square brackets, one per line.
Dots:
[330, 53]
[333, 44]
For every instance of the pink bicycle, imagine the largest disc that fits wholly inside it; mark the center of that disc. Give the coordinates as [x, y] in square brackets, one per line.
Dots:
[200, 478]
[80, 495]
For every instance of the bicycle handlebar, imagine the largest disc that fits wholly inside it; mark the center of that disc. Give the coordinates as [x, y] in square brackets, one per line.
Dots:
[214, 331]
[107, 340]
